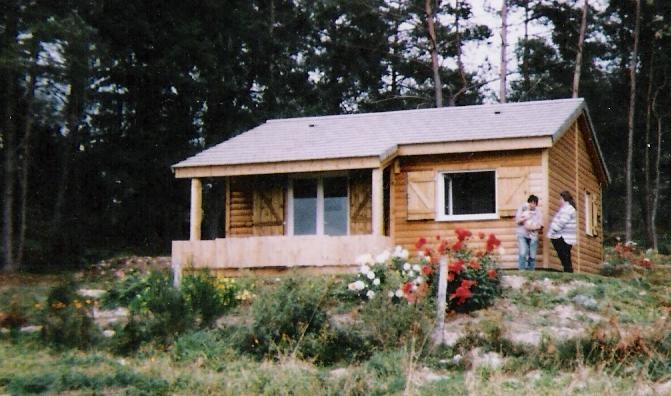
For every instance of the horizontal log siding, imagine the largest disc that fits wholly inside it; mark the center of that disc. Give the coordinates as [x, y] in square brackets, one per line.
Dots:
[572, 168]
[562, 176]
[406, 233]
[241, 206]
[591, 247]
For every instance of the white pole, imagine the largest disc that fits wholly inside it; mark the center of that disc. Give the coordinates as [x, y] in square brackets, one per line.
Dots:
[441, 304]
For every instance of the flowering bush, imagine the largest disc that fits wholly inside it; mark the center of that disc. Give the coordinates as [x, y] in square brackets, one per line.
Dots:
[473, 278]
[371, 275]
[67, 318]
[624, 258]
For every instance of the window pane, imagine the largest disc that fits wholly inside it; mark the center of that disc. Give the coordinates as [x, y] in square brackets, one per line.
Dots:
[473, 193]
[305, 207]
[335, 206]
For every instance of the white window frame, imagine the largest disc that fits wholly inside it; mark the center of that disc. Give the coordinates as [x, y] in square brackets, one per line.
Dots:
[440, 198]
[320, 202]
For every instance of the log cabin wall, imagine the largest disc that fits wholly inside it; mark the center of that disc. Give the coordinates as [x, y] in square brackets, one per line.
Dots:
[257, 205]
[406, 228]
[572, 167]
[240, 206]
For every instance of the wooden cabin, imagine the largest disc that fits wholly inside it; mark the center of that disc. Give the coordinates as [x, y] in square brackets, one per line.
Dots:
[320, 191]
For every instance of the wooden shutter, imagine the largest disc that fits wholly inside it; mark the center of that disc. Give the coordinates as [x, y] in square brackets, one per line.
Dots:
[512, 189]
[596, 223]
[268, 212]
[360, 205]
[421, 195]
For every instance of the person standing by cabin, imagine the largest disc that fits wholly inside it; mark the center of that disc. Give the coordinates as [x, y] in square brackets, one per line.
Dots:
[562, 232]
[529, 221]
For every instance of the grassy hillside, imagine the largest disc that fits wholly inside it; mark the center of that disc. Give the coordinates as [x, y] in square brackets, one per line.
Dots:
[548, 333]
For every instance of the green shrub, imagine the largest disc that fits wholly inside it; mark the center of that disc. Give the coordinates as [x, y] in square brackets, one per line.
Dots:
[208, 297]
[127, 288]
[31, 383]
[209, 345]
[67, 318]
[284, 316]
[159, 313]
[389, 324]
[290, 319]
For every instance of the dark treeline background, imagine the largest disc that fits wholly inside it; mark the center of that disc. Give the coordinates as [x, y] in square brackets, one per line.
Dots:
[99, 98]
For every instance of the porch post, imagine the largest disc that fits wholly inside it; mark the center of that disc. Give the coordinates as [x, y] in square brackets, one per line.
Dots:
[377, 202]
[196, 208]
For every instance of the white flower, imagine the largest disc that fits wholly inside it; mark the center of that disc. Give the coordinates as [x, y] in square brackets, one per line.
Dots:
[370, 294]
[416, 268]
[399, 293]
[411, 274]
[370, 275]
[382, 257]
[376, 281]
[359, 285]
[390, 294]
[406, 267]
[364, 269]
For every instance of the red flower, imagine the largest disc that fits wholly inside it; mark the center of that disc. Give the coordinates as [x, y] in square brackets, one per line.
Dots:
[491, 273]
[442, 246]
[420, 242]
[467, 283]
[456, 266]
[450, 276]
[481, 235]
[645, 263]
[475, 264]
[407, 288]
[492, 242]
[463, 291]
[427, 270]
[457, 246]
[462, 233]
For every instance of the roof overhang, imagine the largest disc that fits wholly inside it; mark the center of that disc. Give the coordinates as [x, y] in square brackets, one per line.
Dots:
[316, 165]
[471, 146]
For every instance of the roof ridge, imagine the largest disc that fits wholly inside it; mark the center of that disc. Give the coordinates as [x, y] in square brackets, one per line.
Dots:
[427, 110]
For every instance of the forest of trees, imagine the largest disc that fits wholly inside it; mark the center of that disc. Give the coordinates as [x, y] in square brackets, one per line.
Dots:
[99, 98]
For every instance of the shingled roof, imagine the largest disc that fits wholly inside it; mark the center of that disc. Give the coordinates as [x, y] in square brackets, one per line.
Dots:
[380, 134]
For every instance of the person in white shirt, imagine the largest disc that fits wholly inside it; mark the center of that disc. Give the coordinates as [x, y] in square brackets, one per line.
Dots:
[529, 222]
[562, 232]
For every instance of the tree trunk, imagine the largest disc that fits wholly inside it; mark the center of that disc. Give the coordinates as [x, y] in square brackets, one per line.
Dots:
[630, 135]
[503, 70]
[647, 209]
[26, 158]
[431, 30]
[578, 57]
[525, 60]
[10, 174]
[9, 140]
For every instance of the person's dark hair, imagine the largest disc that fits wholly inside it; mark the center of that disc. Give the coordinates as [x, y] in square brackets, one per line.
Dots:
[567, 197]
[532, 198]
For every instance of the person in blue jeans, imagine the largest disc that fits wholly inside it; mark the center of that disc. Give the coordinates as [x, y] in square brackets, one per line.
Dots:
[529, 222]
